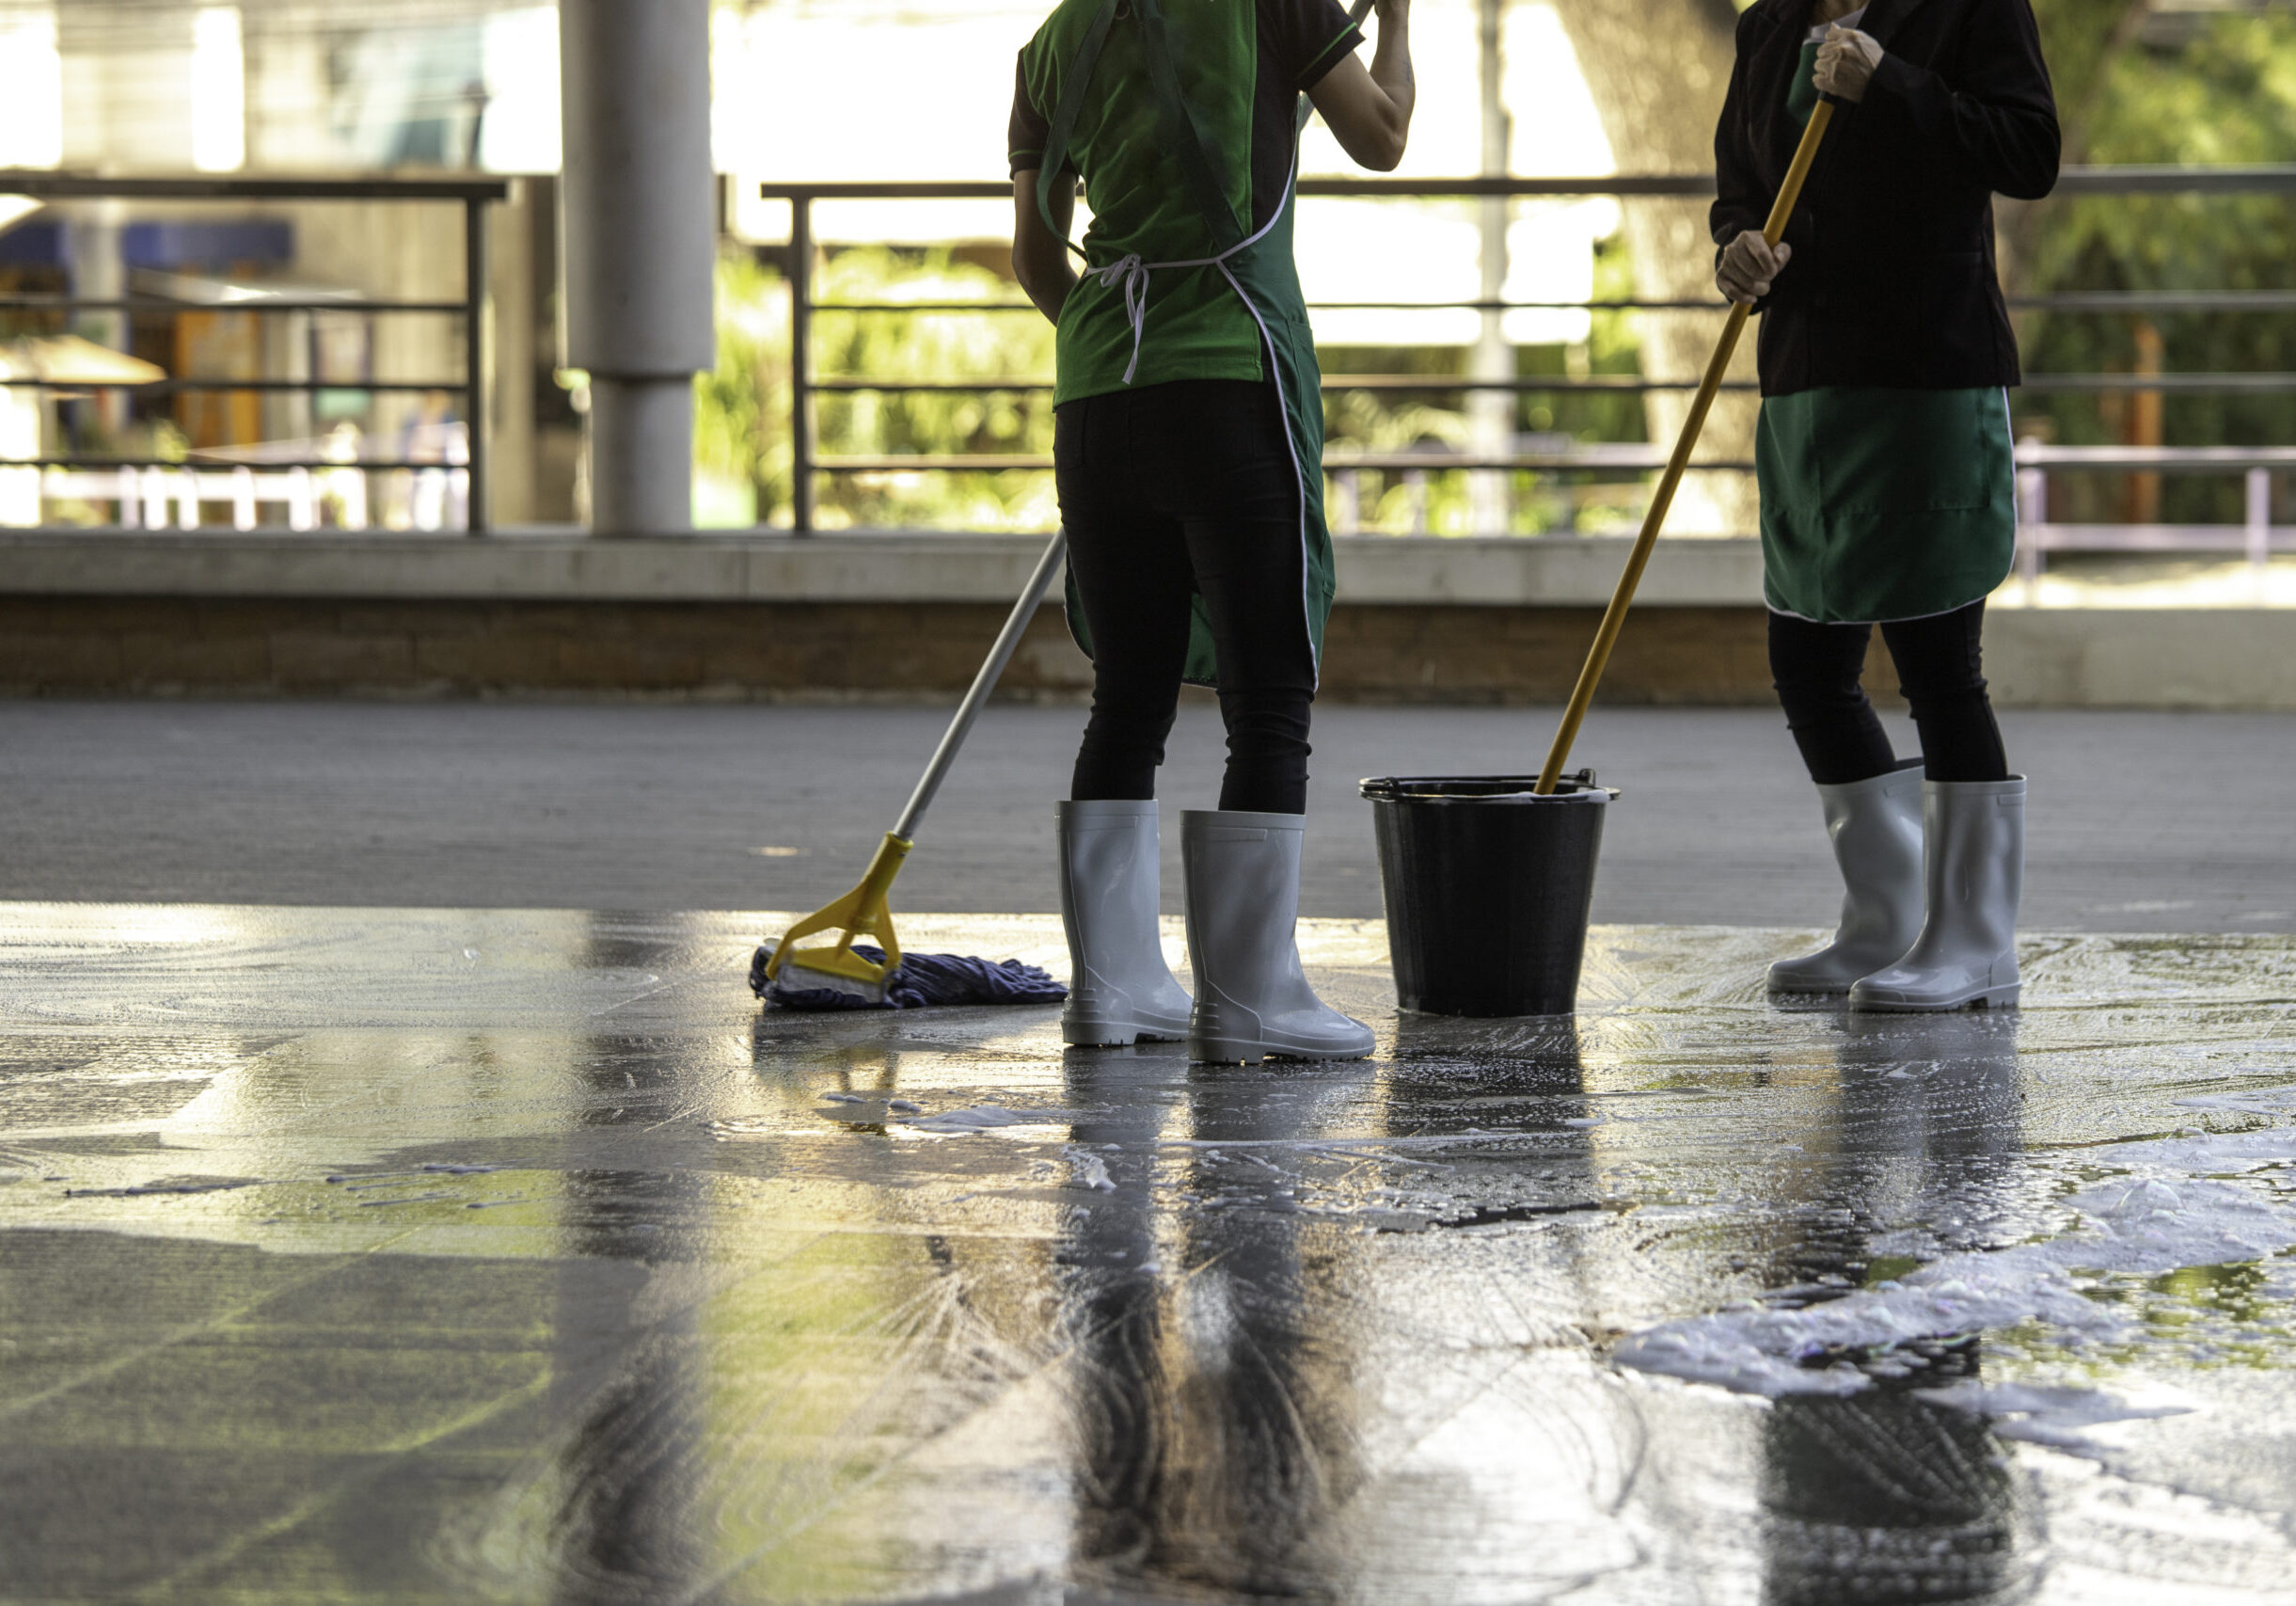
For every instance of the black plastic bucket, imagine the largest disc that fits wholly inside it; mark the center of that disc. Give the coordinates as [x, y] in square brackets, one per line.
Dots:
[1488, 888]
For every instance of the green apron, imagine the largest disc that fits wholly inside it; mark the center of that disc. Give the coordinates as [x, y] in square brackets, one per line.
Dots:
[1881, 504]
[1258, 268]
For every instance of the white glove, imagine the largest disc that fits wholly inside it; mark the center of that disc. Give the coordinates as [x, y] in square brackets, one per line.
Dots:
[1749, 263]
[1845, 63]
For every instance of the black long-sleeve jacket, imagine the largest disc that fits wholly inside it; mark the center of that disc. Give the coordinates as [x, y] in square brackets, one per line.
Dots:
[1893, 281]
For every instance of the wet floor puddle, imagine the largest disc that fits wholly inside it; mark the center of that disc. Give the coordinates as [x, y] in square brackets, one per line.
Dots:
[558, 1273]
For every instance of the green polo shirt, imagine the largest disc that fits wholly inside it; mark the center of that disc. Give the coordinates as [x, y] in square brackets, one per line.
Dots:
[1243, 67]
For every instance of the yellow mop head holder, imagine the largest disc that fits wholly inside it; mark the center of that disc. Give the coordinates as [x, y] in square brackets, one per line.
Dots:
[860, 912]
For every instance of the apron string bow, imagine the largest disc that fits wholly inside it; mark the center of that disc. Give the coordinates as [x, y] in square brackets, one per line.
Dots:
[1133, 274]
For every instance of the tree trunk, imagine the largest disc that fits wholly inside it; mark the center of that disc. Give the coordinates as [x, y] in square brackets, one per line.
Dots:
[1658, 69]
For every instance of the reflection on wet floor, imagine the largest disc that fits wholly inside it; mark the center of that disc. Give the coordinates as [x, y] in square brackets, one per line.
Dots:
[435, 1256]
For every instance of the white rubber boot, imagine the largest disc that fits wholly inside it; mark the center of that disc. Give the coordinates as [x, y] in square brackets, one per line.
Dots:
[1875, 825]
[1975, 871]
[1252, 998]
[1119, 988]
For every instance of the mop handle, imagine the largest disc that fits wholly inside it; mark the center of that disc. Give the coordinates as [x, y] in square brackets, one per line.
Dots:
[983, 683]
[1614, 618]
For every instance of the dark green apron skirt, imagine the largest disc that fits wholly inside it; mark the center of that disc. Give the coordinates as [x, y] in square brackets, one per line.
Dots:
[1884, 505]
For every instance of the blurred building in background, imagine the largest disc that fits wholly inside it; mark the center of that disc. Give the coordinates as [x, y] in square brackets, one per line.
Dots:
[264, 267]
[299, 88]
[283, 88]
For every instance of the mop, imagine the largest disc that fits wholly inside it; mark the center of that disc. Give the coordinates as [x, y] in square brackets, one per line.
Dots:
[851, 975]
[1614, 617]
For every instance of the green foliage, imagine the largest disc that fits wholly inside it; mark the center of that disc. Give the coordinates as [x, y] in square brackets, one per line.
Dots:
[2225, 94]
[1393, 421]
[982, 346]
[743, 418]
[741, 409]
[2082, 39]
[742, 443]
[2228, 96]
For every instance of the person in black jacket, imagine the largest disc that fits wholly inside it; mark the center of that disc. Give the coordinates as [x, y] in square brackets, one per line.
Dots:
[1886, 466]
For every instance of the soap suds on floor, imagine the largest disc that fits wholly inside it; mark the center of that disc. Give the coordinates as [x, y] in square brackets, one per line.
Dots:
[1087, 1170]
[2042, 1414]
[2166, 1213]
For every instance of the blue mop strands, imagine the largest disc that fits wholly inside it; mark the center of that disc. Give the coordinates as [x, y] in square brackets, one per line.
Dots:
[922, 981]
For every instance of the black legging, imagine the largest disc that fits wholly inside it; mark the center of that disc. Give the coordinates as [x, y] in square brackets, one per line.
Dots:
[1817, 669]
[1166, 490]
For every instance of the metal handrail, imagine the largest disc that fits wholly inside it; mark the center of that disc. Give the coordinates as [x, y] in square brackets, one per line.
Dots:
[210, 463]
[2069, 301]
[474, 195]
[2157, 459]
[258, 386]
[2277, 179]
[44, 184]
[1594, 384]
[2097, 179]
[1637, 457]
[35, 303]
[1608, 458]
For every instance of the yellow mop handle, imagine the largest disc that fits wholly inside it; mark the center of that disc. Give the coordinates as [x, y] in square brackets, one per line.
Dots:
[1614, 618]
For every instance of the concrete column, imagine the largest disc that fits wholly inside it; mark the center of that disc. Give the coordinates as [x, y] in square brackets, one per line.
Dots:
[510, 437]
[640, 246]
[1491, 413]
[97, 270]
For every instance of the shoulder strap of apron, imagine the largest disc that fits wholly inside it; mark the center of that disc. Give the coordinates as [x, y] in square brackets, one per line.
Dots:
[1200, 162]
[1200, 159]
[1065, 115]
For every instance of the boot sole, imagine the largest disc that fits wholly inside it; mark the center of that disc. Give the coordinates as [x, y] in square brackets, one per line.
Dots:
[1986, 998]
[1807, 990]
[1815, 988]
[1108, 1034]
[1202, 1051]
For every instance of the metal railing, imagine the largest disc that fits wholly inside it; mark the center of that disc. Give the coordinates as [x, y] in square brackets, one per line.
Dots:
[146, 487]
[2256, 538]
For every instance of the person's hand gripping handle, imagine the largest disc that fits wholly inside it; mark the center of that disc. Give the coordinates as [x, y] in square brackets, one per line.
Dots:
[1614, 617]
[1749, 266]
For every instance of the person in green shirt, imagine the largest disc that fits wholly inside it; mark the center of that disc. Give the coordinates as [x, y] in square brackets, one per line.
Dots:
[1188, 449]
[1883, 453]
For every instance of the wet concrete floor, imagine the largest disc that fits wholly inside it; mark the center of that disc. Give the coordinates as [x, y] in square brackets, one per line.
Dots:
[423, 1256]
